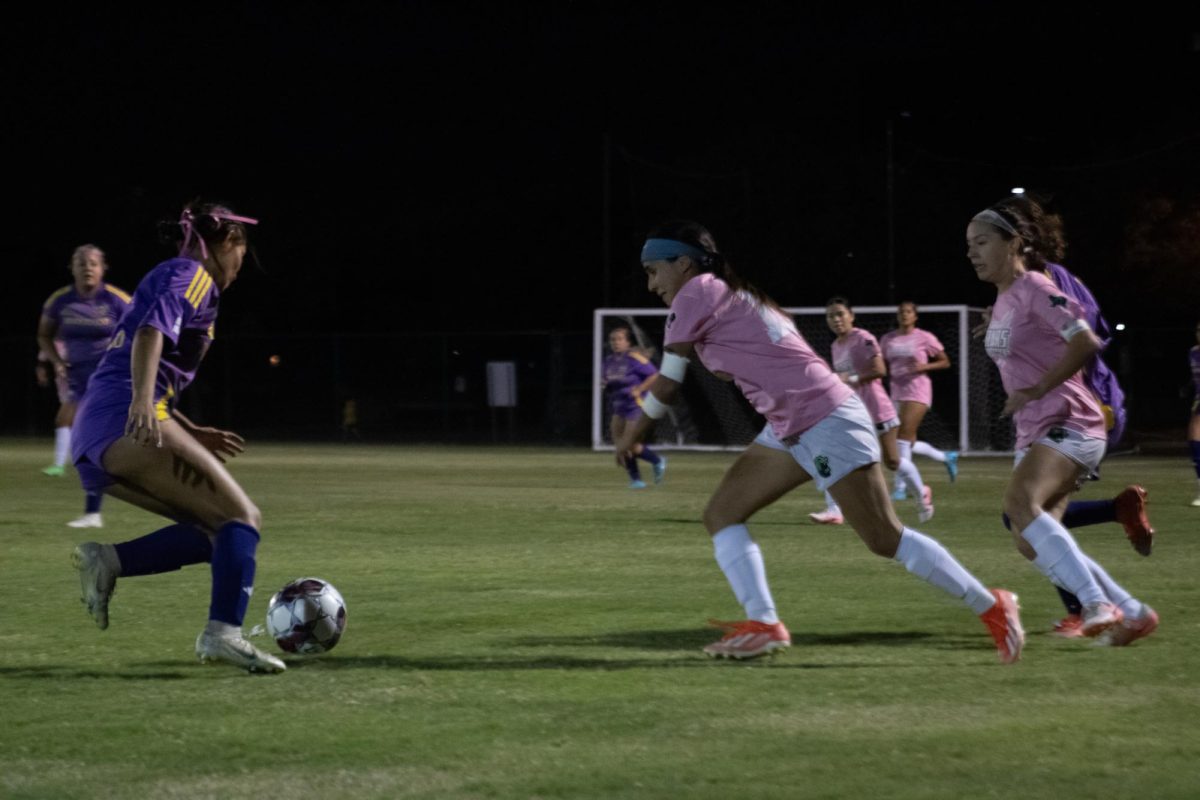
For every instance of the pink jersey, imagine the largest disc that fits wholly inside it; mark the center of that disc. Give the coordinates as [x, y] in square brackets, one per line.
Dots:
[759, 347]
[1025, 340]
[903, 352]
[855, 355]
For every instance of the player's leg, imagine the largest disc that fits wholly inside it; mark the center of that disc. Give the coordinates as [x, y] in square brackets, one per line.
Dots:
[617, 426]
[63, 419]
[911, 414]
[1194, 445]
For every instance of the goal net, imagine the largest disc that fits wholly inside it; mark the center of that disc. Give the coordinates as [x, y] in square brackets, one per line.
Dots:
[712, 414]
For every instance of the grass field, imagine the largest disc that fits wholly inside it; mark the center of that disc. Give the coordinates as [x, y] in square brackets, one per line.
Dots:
[521, 625]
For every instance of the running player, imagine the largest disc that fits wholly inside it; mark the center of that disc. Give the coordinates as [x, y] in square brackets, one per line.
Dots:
[1040, 340]
[817, 429]
[1194, 422]
[131, 442]
[75, 327]
[627, 374]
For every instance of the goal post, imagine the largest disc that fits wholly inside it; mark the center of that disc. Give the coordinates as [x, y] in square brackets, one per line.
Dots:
[713, 415]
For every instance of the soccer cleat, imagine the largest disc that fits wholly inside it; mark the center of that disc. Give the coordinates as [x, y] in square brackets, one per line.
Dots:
[92, 520]
[925, 507]
[54, 471]
[235, 650]
[1069, 627]
[826, 517]
[637, 483]
[900, 494]
[952, 464]
[660, 469]
[1003, 622]
[98, 567]
[748, 639]
[1099, 617]
[1130, 506]
[1128, 630]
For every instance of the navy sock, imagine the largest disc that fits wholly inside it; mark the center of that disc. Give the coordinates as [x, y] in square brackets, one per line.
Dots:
[1195, 445]
[1089, 512]
[165, 550]
[1070, 601]
[649, 455]
[92, 502]
[632, 468]
[232, 572]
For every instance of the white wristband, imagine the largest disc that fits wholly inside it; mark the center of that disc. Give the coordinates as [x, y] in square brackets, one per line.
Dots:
[652, 407]
[674, 367]
[853, 379]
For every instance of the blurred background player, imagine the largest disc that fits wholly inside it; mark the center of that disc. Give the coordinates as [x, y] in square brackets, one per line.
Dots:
[858, 361]
[1194, 422]
[131, 442]
[1040, 339]
[817, 429]
[911, 353]
[627, 375]
[76, 325]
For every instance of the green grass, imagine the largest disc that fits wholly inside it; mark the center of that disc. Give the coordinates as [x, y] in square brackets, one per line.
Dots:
[521, 625]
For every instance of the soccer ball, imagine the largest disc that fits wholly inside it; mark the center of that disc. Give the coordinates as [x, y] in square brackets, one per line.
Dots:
[307, 616]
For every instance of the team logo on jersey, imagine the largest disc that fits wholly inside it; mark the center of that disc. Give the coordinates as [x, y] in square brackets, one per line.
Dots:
[1058, 300]
[1056, 435]
[822, 465]
[178, 324]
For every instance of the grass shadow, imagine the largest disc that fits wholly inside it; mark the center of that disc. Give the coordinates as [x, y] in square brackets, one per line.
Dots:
[59, 671]
[695, 638]
[477, 664]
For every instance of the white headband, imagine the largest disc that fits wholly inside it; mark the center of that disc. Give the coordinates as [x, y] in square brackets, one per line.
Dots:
[994, 218]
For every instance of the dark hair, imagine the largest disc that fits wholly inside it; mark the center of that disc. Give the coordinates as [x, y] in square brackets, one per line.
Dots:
[695, 234]
[1041, 232]
[838, 300]
[627, 330]
[208, 223]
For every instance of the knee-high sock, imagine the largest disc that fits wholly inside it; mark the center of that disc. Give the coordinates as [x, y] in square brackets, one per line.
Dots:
[1195, 447]
[899, 483]
[62, 446]
[92, 502]
[1061, 560]
[232, 572]
[1081, 513]
[165, 550]
[924, 557]
[928, 450]
[1070, 601]
[649, 456]
[912, 478]
[742, 562]
[831, 504]
[631, 466]
[1115, 592]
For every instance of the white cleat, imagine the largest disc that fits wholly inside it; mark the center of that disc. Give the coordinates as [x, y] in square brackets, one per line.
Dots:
[826, 517]
[92, 520]
[98, 567]
[925, 506]
[234, 649]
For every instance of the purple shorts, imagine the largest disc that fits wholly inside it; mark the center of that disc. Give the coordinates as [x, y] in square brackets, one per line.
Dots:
[70, 388]
[99, 422]
[627, 410]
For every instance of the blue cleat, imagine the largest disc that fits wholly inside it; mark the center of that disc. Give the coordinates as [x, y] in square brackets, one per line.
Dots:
[637, 484]
[660, 469]
[900, 494]
[952, 464]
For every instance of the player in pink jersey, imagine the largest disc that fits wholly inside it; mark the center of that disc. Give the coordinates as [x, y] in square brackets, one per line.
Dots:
[911, 354]
[858, 361]
[1040, 340]
[817, 429]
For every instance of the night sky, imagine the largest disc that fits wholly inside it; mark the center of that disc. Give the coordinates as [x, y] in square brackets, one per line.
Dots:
[442, 166]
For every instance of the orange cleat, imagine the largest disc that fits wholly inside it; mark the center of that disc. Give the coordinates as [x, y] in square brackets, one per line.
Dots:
[748, 639]
[1131, 513]
[1003, 622]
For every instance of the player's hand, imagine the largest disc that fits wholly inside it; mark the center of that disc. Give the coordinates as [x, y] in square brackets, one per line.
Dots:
[980, 330]
[1019, 399]
[220, 443]
[143, 425]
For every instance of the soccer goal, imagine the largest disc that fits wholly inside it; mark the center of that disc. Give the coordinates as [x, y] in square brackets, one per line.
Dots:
[713, 415]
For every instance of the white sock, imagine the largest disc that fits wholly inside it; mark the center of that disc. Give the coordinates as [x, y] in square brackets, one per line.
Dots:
[62, 445]
[742, 562]
[831, 505]
[1130, 606]
[1061, 560]
[905, 449]
[912, 477]
[928, 450]
[924, 557]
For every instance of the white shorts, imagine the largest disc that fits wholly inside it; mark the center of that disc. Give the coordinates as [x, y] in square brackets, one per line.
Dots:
[834, 447]
[1083, 450]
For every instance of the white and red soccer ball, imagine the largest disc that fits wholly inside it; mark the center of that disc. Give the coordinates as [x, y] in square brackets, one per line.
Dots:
[307, 616]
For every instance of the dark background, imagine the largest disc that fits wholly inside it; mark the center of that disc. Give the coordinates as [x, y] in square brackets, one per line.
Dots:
[444, 183]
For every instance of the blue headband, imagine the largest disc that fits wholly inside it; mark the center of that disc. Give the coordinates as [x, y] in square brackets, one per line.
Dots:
[670, 249]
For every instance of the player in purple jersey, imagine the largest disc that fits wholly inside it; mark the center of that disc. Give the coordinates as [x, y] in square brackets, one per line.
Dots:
[1194, 422]
[1129, 507]
[817, 429]
[76, 324]
[627, 374]
[1040, 339]
[132, 443]
[911, 353]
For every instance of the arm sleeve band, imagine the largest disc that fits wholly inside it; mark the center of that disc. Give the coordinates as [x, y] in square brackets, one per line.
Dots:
[1068, 333]
[652, 407]
[674, 367]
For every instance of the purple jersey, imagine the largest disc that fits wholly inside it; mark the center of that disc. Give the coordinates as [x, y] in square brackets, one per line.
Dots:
[1096, 374]
[84, 326]
[1194, 360]
[623, 373]
[178, 298]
